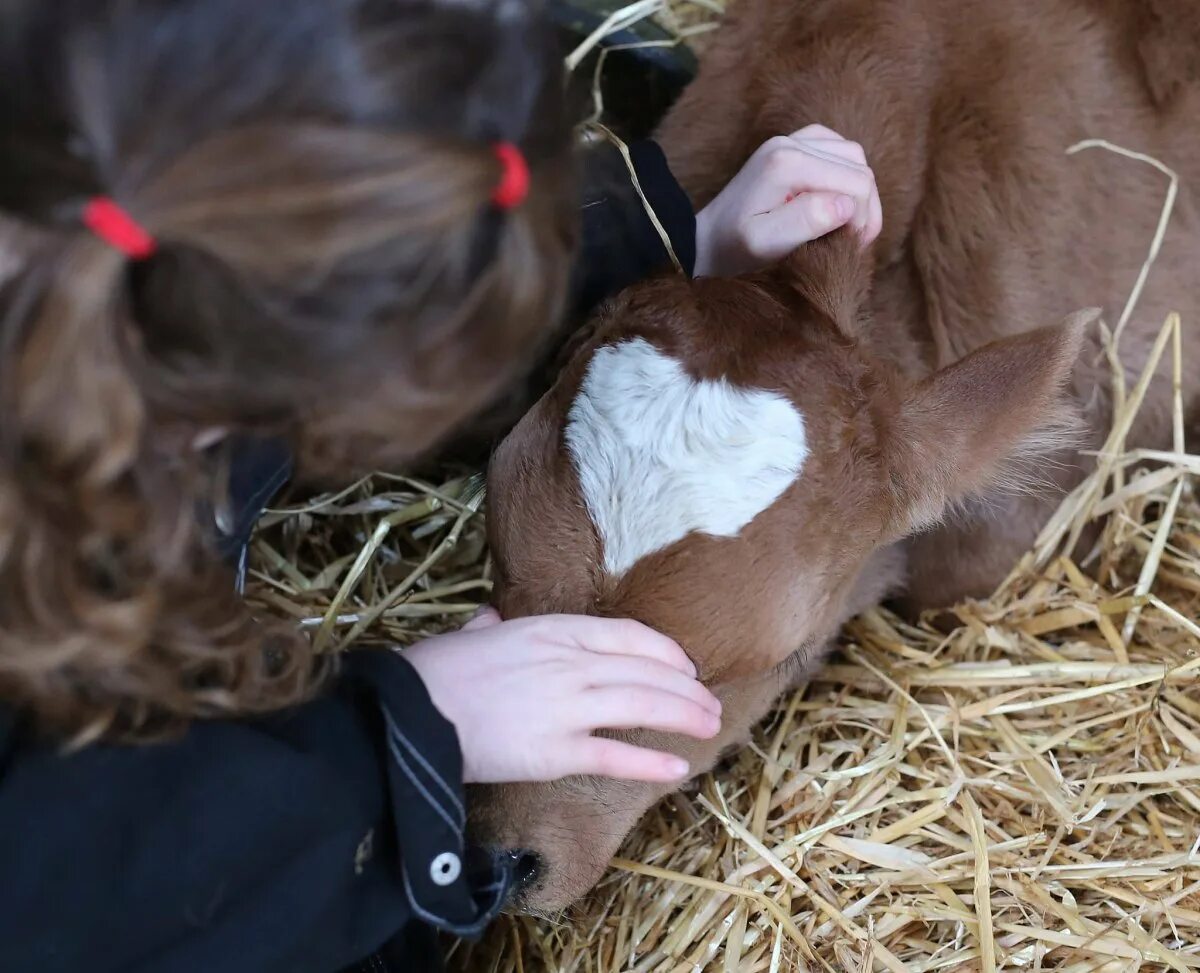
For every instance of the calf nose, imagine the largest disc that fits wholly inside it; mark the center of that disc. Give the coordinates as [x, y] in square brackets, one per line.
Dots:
[527, 866]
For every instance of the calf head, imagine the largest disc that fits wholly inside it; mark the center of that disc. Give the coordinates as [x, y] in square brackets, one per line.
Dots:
[728, 462]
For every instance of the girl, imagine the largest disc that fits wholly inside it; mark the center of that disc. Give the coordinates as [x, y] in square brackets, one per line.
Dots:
[242, 236]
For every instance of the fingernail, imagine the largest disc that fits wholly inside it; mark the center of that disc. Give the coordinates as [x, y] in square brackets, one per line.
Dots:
[678, 767]
[844, 206]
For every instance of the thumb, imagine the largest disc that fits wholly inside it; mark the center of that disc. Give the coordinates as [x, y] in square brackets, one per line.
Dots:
[485, 617]
[802, 219]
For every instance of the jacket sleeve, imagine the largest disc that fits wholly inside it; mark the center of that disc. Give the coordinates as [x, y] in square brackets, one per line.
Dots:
[621, 245]
[300, 842]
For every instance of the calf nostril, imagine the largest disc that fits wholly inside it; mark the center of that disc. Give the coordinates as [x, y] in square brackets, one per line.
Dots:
[526, 867]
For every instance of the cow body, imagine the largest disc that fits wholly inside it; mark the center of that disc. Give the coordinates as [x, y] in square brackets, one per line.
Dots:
[966, 111]
[745, 463]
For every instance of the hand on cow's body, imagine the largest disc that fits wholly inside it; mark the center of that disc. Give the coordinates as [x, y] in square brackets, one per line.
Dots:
[525, 697]
[794, 189]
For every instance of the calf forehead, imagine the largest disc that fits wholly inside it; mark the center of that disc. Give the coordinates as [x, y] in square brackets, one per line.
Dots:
[660, 455]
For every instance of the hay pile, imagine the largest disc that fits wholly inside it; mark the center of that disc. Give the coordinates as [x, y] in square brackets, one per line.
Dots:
[1022, 793]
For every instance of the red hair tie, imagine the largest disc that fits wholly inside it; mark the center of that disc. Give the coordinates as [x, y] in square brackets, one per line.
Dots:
[513, 187]
[105, 218]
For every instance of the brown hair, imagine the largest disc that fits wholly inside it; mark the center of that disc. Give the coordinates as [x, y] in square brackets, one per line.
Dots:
[318, 175]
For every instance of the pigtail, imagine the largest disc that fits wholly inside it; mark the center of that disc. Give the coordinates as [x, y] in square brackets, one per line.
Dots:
[73, 400]
[114, 617]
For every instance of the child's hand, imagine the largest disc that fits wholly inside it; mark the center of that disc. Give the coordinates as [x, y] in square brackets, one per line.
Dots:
[794, 189]
[525, 696]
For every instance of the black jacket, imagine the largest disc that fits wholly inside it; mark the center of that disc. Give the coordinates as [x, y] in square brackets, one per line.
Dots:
[327, 838]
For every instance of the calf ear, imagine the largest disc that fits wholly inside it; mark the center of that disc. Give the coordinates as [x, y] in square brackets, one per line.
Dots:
[833, 274]
[957, 429]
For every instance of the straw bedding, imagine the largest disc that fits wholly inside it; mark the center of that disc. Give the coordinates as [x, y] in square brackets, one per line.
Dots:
[1019, 793]
[1023, 793]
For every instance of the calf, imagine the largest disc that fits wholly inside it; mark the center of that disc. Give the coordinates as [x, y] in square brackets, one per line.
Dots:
[743, 464]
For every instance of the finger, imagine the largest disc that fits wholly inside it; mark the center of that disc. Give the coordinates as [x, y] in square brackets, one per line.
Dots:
[807, 217]
[851, 154]
[796, 171]
[868, 221]
[612, 758]
[641, 708]
[485, 617]
[875, 222]
[836, 149]
[816, 132]
[618, 636]
[613, 670]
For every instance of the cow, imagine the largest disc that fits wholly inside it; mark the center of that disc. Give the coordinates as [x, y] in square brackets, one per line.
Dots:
[746, 463]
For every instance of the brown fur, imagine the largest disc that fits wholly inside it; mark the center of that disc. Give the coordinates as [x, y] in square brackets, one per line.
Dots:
[923, 368]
